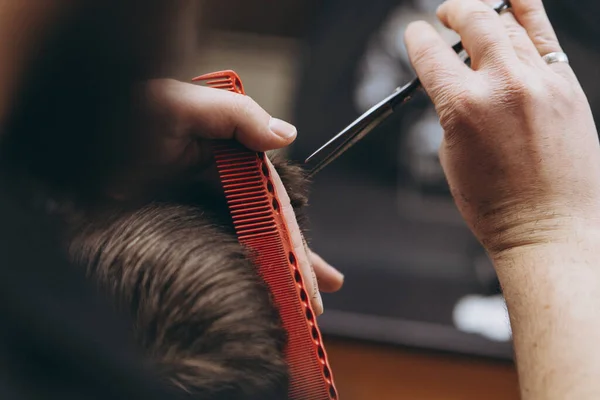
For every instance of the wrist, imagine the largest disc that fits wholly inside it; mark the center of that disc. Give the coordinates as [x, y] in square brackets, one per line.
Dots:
[564, 257]
[552, 291]
[554, 234]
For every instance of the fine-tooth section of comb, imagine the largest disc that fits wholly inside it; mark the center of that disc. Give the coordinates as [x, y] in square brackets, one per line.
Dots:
[261, 228]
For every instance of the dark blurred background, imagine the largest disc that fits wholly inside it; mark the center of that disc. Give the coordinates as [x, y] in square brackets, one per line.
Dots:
[420, 293]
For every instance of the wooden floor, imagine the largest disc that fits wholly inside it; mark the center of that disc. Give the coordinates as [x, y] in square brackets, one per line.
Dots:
[373, 372]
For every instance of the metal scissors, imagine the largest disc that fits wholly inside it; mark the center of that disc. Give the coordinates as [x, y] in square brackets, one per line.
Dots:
[372, 118]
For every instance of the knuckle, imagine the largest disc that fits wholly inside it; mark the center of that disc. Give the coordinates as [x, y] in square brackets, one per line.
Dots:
[459, 109]
[531, 10]
[542, 35]
[514, 90]
[464, 103]
[450, 6]
[526, 93]
[430, 68]
[470, 100]
[546, 42]
[463, 13]
[422, 55]
[520, 92]
[516, 32]
[245, 108]
[246, 105]
[479, 16]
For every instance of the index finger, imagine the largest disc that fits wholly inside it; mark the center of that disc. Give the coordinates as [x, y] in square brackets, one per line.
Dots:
[308, 274]
[218, 114]
[439, 68]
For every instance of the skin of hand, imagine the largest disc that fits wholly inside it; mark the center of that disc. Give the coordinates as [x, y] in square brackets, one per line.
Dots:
[176, 121]
[522, 159]
[520, 150]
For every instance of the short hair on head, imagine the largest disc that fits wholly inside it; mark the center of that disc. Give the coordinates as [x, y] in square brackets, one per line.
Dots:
[199, 308]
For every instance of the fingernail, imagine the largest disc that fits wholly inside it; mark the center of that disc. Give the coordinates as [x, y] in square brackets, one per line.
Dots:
[282, 129]
[335, 272]
[320, 302]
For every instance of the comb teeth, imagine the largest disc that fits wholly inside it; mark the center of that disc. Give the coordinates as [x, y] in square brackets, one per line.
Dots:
[254, 208]
[255, 212]
[226, 80]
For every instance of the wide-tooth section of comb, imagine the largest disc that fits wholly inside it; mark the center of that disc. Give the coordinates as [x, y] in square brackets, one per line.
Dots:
[261, 228]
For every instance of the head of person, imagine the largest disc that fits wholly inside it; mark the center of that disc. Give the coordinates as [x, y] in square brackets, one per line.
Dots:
[200, 311]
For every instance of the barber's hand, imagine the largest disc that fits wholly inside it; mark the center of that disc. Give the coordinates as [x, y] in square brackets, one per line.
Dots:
[520, 150]
[170, 144]
[173, 122]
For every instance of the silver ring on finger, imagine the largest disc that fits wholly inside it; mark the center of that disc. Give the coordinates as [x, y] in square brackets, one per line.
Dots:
[556, 57]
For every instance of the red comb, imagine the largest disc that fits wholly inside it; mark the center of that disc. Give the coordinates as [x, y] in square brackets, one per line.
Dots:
[261, 228]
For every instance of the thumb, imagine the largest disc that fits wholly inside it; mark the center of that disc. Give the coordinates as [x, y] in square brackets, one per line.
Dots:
[219, 114]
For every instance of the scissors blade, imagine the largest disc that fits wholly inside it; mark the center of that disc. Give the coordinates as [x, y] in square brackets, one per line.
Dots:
[348, 137]
[360, 127]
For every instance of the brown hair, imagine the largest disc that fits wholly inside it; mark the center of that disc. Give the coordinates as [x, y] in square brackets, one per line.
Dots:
[200, 311]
